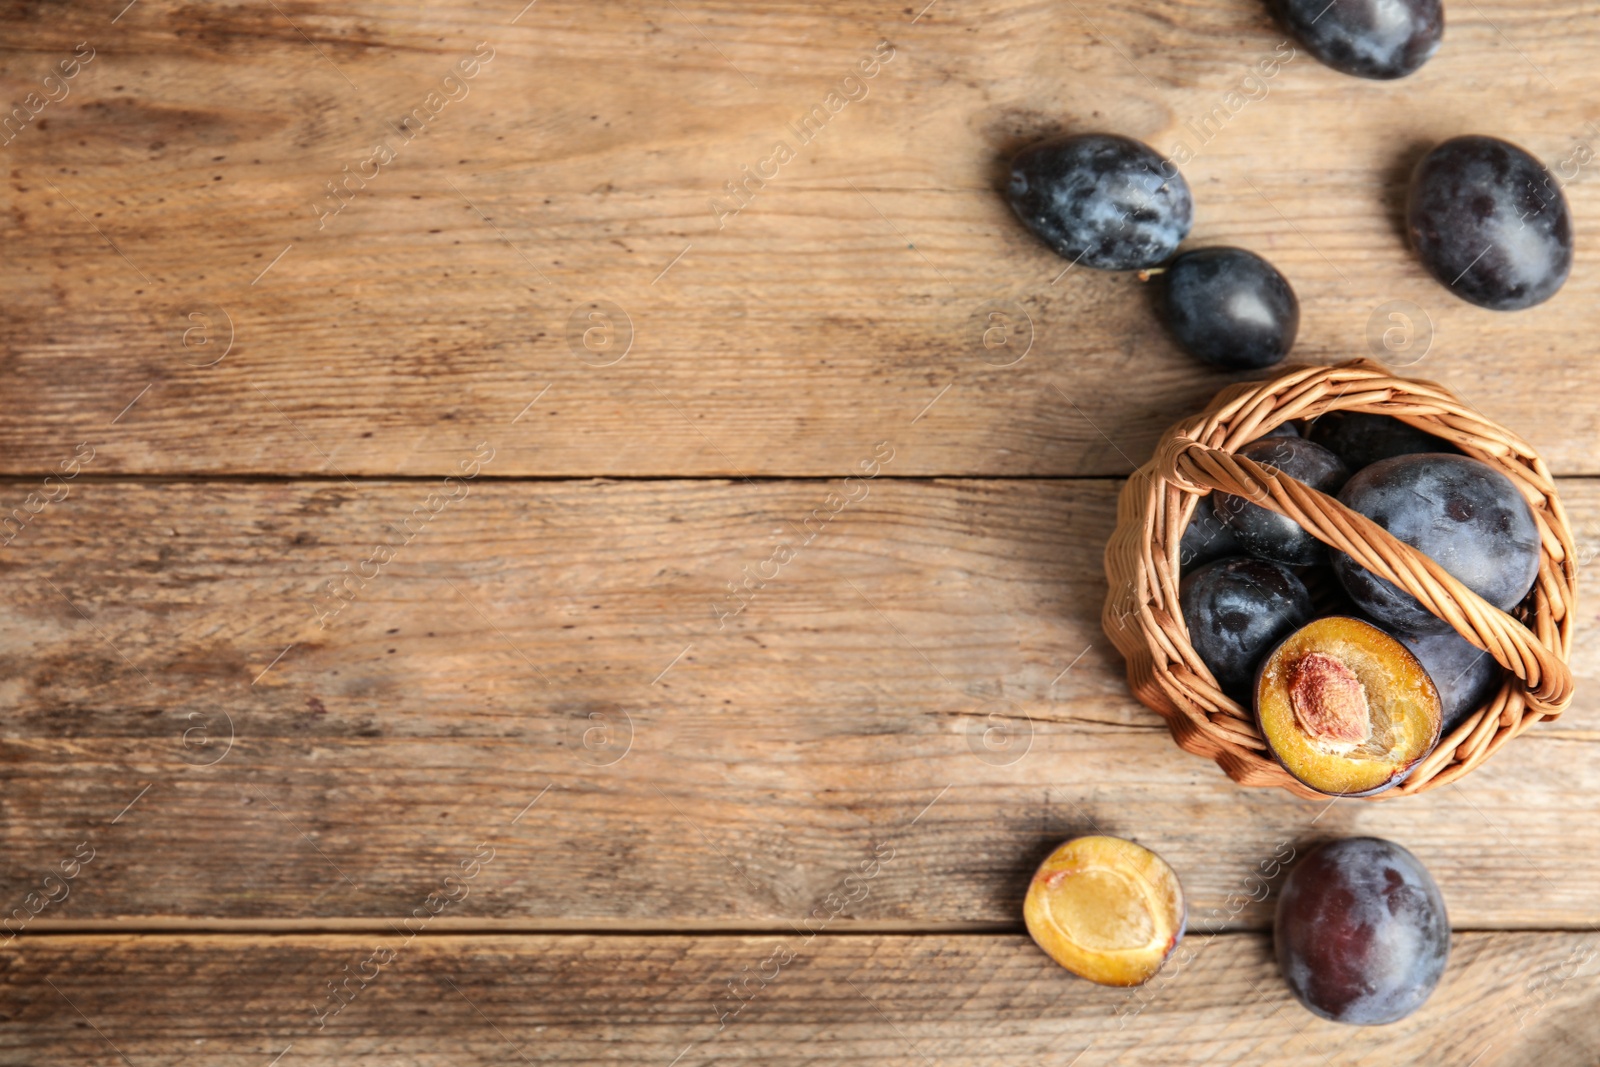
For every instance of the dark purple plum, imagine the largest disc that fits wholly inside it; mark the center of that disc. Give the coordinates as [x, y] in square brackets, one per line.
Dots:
[1465, 515]
[1489, 222]
[1361, 932]
[1326, 592]
[1205, 538]
[1230, 308]
[1102, 200]
[1266, 533]
[1237, 610]
[1361, 438]
[1286, 430]
[1367, 38]
[1465, 675]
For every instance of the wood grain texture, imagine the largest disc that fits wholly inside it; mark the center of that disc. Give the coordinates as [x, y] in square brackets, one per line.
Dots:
[851, 292]
[925, 678]
[1510, 1000]
[609, 746]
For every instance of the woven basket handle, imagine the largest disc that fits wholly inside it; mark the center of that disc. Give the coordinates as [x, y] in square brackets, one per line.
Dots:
[1545, 675]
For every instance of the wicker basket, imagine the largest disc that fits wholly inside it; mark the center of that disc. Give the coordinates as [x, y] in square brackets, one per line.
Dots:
[1143, 619]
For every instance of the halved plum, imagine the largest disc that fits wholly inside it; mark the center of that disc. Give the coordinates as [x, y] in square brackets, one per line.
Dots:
[1106, 909]
[1346, 708]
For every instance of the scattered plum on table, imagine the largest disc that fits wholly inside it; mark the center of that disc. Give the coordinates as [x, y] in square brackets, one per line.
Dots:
[1490, 223]
[1230, 308]
[1361, 932]
[1106, 909]
[1102, 200]
[1381, 39]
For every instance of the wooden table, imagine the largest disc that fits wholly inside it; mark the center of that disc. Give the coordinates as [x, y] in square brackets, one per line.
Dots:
[444, 627]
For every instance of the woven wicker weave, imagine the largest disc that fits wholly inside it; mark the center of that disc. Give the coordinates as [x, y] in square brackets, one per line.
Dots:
[1142, 615]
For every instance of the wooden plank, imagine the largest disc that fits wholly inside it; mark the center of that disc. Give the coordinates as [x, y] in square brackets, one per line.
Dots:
[925, 680]
[1506, 999]
[453, 288]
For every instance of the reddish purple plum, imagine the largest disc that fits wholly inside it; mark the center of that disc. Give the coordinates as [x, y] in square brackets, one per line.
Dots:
[1361, 932]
